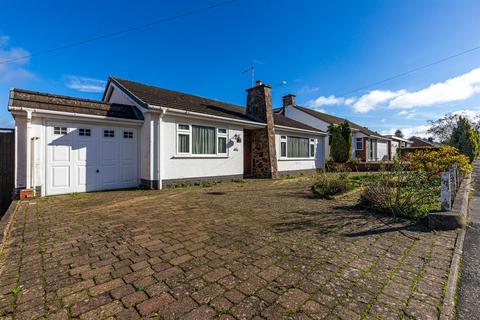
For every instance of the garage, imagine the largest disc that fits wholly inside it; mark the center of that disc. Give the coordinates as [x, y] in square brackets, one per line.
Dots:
[85, 157]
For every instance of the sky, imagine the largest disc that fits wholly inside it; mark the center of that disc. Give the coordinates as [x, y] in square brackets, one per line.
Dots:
[322, 51]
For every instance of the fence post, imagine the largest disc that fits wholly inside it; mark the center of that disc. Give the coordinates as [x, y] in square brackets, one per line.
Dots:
[446, 192]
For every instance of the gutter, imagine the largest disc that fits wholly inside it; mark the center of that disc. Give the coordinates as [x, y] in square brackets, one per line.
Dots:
[300, 130]
[80, 115]
[205, 116]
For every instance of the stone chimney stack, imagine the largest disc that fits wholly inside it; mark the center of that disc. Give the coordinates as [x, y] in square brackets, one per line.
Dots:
[264, 155]
[259, 101]
[289, 100]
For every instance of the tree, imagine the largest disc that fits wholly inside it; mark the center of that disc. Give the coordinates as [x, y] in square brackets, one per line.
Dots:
[398, 133]
[465, 138]
[340, 141]
[442, 128]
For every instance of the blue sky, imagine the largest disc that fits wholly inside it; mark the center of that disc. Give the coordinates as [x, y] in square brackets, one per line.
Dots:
[321, 49]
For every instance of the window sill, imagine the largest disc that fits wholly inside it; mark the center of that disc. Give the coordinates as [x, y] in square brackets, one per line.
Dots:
[199, 156]
[296, 159]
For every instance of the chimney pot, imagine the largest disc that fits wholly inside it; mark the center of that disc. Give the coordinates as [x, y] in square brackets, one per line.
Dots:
[259, 83]
[289, 100]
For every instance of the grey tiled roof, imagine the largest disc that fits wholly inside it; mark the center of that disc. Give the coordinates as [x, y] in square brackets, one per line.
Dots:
[151, 95]
[53, 102]
[337, 120]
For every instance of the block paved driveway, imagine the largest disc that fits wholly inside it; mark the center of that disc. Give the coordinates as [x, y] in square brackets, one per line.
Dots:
[260, 249]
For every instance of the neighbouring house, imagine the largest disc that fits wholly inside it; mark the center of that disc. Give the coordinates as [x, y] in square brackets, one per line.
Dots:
[397, 143]
[367, 145]
[141, 135]
[421, 142]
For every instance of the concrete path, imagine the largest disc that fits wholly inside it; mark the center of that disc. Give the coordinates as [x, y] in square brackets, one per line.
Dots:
[468, 307]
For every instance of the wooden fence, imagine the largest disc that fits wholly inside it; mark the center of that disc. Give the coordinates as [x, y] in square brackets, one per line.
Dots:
[7, 165]
[451, 181]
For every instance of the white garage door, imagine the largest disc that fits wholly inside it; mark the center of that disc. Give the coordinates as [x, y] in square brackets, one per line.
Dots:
[83, 158]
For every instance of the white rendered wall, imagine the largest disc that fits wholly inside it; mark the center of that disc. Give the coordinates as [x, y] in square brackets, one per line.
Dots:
[382, 150]
[395, 145]
[118, 96]
[300, 164]
[300, 116]
[175, 166]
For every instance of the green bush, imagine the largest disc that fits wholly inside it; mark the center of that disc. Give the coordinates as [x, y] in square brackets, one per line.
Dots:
[340, 141]
[411, 194]
[331, 184]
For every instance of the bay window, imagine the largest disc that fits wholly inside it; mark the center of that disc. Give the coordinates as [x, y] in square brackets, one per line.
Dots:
[201, 140]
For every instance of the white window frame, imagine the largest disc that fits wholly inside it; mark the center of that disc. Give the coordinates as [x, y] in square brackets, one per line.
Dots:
[284, 139]
[223, 135]
[311, 143]
[356, 143]
[185, 132]
[180, 131]
[61, 131]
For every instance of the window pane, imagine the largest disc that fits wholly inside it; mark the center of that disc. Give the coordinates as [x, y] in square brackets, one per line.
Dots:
[183, 143]
[359, 145]
[297, 147]
[312, 150]
[183, 127]
[283, 149]
[222, 130]
[59, 130]
[203, 140]
[222, 145]
[84, 132]
[108, 133]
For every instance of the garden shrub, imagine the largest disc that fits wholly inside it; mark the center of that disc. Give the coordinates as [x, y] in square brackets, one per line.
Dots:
[401, 192]
[331, 184]
[435, 161]
[340, 141]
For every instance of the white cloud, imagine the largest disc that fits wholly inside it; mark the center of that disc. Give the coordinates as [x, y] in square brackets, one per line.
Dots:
[329, 101]
[84, 84]
[13, 71]
[469, 113]
[453, 89]
[372, 99]
[420, 131]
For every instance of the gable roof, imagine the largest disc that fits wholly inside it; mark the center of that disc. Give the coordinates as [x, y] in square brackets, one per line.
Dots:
[46, 101]
[147, 95]
[394, 137]
[337, 120]
[426, 141]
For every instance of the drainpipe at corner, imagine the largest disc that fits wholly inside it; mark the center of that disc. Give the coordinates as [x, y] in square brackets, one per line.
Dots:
[28, 150]
[159, 147]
